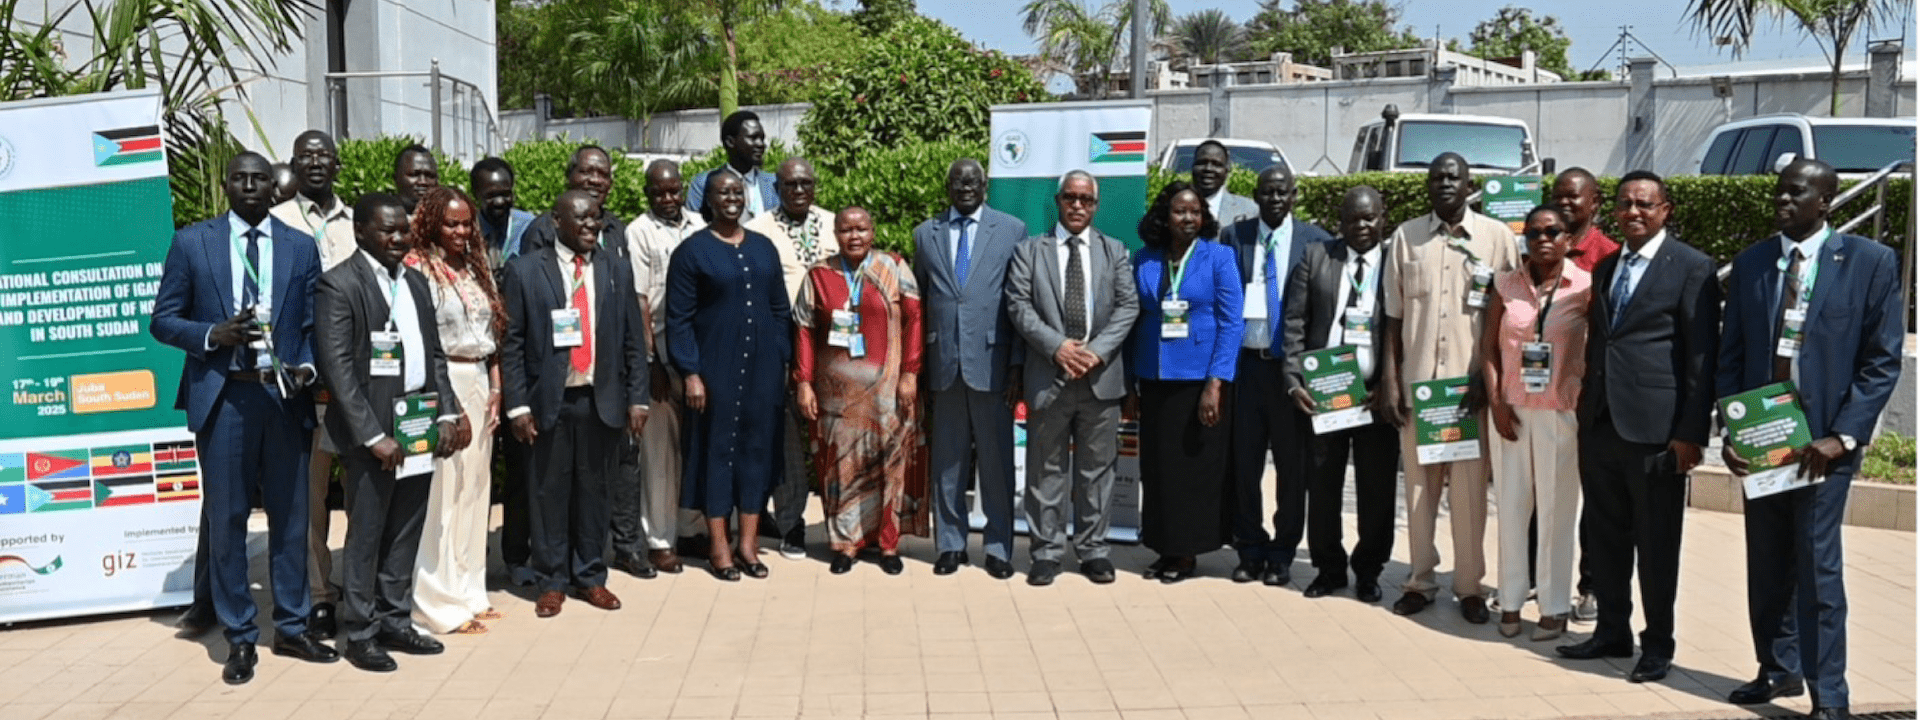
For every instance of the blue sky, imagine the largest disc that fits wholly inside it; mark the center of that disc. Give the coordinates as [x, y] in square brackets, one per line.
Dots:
[1592, 26]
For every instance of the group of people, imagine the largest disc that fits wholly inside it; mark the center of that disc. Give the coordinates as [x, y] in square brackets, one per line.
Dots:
[698, 371]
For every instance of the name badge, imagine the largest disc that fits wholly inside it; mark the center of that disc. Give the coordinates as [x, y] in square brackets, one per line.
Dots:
[388, 355]
[1173, 319]
[1536, 365]
[1793, 332]
[1357, 327]
[845, 333]
[1482, 280]
[566, 328]
[1254, 304]
[262, 316]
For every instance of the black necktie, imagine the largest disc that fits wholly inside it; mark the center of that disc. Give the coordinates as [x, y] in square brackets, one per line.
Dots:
[1076, 292]
[1359, 280]
[1790, 299]
[250, 285]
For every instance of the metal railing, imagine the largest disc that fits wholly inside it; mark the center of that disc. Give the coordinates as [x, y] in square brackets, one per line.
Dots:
[476, 133]
[1876, 184]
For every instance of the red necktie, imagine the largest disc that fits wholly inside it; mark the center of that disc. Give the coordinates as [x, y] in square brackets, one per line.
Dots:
[582, 353]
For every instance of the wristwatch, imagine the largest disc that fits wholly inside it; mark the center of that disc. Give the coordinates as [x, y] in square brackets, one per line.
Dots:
[1847, 441]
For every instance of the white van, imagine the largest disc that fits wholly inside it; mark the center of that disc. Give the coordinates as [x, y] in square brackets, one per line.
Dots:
[1755, 146]
[1408, 143]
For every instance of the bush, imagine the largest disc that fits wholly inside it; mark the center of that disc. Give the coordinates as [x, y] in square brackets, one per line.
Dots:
[1889, 459]
[900, 188]
[540, 175]
[367, 166]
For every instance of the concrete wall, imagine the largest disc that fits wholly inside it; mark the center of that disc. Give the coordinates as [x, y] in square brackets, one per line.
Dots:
[683, 132]
[1313, 123]
[1576, 124]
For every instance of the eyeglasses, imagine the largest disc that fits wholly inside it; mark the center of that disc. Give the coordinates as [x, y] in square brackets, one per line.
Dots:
[1552, 233]
[1085, 200]
[1624, 205]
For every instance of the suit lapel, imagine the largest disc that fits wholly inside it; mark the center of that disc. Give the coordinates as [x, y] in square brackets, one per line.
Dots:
[937, 262]
[550, 269]
[1831, 259]
[1050, 265]
[219, 250]
[282, 265]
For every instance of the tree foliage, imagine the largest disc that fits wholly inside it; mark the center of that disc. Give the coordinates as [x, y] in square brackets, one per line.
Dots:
[879, 16]
[1831, 23]
[1514, 30]
[1313, 28]
[921, 81]
[1206, 37]
[785, 56]
[1083, 43]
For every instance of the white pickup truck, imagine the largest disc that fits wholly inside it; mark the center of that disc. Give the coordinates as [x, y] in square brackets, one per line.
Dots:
[1408, 143]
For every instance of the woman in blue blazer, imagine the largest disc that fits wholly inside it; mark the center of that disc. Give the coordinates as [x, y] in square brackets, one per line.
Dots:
[1182, 354]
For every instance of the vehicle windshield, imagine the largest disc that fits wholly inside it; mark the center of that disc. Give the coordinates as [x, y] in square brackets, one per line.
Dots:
[1250, 158]
[1484, 146]
[1862, 148]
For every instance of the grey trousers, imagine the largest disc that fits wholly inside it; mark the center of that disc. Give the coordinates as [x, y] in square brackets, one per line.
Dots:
[969, 423]
[662, 520]
[789, 498]
[1089, 428]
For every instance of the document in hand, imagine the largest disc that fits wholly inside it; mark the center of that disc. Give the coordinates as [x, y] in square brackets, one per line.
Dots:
[1339, 393]
[414, 428]
[1443, 431]
[1765, 426]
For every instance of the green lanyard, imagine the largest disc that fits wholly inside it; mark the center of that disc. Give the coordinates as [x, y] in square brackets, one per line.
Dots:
[393, 297]
[856, 280]
[1173, 288]
[1360, 287]
[1461, 245]
[1809, 268]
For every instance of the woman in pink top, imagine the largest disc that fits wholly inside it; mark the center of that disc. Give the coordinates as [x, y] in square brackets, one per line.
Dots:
[1534, 347]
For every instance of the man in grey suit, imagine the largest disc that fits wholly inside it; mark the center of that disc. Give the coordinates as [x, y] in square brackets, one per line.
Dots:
[960, 259]
[1074, 327]
[1211, 168]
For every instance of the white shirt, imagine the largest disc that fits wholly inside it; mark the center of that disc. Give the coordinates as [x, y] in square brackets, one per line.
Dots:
[566, 255]
[1337, 333]
[1282, 239]
[1637, 270]
[237, 252]
[1216, 200]
[755, 203]
[1086, 269]
[404, 318]
[1809, 264]
[650, 244]
[953, 235]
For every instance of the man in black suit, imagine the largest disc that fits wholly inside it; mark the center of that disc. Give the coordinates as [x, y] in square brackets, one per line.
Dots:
[377, 343]
[1646, 408]
[589, 170]
[1332, 298]
[1269, 247]
[574, 369]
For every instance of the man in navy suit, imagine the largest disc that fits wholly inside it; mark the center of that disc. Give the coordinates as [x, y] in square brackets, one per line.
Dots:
[972, 365]
[746, 145]
[1844, 367]
[1646, 407]
[234, 295]
[1264, 418]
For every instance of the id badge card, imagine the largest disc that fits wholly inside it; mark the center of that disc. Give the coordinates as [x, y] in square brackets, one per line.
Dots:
[263, 317]
[845, 333]
[566, 328]
[1357, 327]
[1253, 305]
[1790, 336]
[1536, 365]
[1173, 319]
[1482, 280]
[388, 355]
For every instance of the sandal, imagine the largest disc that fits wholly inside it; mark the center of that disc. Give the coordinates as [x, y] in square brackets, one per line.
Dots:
[470, 627]
[724, 573]
[490, 614]
[753, 569]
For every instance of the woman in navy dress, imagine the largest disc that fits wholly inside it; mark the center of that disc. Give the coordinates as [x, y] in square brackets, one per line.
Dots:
[729, 330]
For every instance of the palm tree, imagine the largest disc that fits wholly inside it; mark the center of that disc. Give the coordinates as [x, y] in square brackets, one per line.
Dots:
[1832, 23]
[731, 15]
[1083, 43]
[638, 56]
[1208, 37]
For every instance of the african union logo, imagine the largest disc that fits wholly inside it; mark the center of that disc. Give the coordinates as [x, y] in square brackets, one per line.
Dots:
[6, 157]
[1493, 187]
[1736, 410]
[1011, 148]
[1423, 393]
[1312, 363]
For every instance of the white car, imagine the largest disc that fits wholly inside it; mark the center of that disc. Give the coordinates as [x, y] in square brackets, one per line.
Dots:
[1245, 154]
[1410, 142]
[1761, 145]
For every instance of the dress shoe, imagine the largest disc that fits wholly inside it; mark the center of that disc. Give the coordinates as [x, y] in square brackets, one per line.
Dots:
[238, 669]
[1043, 572]
[367, 655]
[949, 563]
[599, 596]
[1473, 609]
[1761, 691]
[1509, 624]
[891, 565]
[196, 621]
[410, 642]
[1367, 590]
[1650, 669]
[323, 622]
[751, 565]
[997, 568]
[1410, 603]
[1178, 570]
[1248, 571]
[666, 561]
[1158, 564]
[1593, 648]
[1586, 609]
[1830, 713]
[1325, 584]
[633, 564]
[1277, 575]
[792, 547]
[1099, 570]
[305, 647]
[723, 573]
[548, 605]
[841, 564]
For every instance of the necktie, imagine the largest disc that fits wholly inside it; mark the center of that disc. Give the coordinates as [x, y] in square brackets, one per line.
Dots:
[582, 355]
[963, 255]
[1076, 317]
[1790, 298]
[250, 284]
[1359, 280]
[1621, 291]
[1273, 280]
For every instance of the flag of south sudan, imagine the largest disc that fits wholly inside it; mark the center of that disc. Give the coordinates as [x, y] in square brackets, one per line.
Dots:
[126, 146]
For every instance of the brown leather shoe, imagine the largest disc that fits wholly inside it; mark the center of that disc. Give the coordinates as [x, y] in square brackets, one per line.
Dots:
[598, 596]
[665, 561]
[549, 604]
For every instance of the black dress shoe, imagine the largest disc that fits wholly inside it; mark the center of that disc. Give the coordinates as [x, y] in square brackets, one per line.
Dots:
[1043, 572]
[321, 622]
[1325, 584]
[1650, 669]
[305, 647]
[841, 564]
[634, 564]
[1410, 603]
[1367, 590]
[367, 655]
[1761, 691]
[1831, 713]
[1154, 568]
[238, 669]
[1473, 609]
[410, 642]
[1099, 570]
[892, 565]
[1593, 648]
[1248, 571]
[949, 563]
[1276, 575]
[1178, 570]
[997, 568]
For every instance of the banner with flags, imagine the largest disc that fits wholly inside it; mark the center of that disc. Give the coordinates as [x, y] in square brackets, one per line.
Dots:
[1033, 145]
[84, 525]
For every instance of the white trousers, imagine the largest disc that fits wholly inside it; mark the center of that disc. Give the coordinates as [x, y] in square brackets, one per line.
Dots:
[1538, 475]
[450, 572]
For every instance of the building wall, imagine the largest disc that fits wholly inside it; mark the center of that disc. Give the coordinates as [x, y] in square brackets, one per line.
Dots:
[1313, 123]
[1576, 124]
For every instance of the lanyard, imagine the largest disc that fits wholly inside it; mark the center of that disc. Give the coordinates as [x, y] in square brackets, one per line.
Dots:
[1173, 288]
[1809, 272]
[393, 297]
[1461, 245]
[1540, 320]
[1360, 288]
[240, 251]
[856, 280]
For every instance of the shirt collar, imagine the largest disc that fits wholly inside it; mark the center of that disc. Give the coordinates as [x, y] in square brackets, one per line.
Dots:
[1807, 246]
[379, 269]
[1440, 227]
[238, 227]
[309, 208]
[1060, 231]
[662, 222]
[1285, 230]
[1648, 250]
[954, 214]
[567, 254]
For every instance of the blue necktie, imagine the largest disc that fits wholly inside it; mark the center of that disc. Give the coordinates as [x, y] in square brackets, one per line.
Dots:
[1272, 272]
[963, 256]
[250, 287]
[1621, 291]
